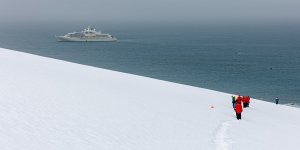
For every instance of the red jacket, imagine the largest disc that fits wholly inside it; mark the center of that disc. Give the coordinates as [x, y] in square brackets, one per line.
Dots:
[247, 99]
[244, 99]
[238, 108]
[239, 99]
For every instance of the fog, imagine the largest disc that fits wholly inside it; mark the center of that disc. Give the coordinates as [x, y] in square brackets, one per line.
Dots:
[148, 11]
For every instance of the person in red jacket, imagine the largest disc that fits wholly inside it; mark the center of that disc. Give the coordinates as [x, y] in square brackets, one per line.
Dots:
[238, 110]
[247, 101]
[239, 99]
[244, 100]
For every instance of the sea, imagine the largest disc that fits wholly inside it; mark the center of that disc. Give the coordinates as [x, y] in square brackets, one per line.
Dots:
[262, 61]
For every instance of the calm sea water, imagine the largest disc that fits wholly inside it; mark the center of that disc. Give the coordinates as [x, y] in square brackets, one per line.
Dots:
[262, 62]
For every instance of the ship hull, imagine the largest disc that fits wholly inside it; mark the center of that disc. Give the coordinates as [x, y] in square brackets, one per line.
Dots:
[74, 39]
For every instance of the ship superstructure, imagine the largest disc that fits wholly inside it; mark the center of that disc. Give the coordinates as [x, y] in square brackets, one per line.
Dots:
[87, 35]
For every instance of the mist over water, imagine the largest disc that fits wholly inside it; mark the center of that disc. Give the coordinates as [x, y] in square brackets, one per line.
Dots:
[262, 61]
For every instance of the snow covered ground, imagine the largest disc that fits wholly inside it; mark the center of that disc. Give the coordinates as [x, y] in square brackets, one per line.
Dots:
[48, 104]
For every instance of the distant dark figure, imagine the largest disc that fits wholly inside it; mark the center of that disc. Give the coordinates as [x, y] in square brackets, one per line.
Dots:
[238, 110]
[233, 101]
[277, 100]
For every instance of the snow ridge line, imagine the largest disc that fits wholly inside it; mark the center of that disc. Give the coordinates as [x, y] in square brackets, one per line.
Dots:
[222, 139]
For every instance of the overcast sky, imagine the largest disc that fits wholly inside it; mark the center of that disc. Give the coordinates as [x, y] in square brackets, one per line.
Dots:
[149, 10]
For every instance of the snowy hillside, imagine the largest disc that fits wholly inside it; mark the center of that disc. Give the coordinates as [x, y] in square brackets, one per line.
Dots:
[48, 104]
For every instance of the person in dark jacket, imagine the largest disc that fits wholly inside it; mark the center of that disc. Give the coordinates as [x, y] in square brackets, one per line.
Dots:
[233, 101]
[277, 100]
[238, 110]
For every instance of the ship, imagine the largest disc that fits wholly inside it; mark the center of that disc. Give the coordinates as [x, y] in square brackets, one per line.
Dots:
[86, 35]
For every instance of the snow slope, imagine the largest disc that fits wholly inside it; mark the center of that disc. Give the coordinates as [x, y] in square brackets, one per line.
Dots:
[48, 104]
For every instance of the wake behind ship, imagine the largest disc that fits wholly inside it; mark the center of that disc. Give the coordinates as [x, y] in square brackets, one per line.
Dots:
[87, 35]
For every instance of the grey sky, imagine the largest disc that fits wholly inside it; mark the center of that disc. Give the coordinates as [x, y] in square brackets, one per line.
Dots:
[149, 10]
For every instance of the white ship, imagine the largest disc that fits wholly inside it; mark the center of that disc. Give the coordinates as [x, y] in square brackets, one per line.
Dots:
[87, 35]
